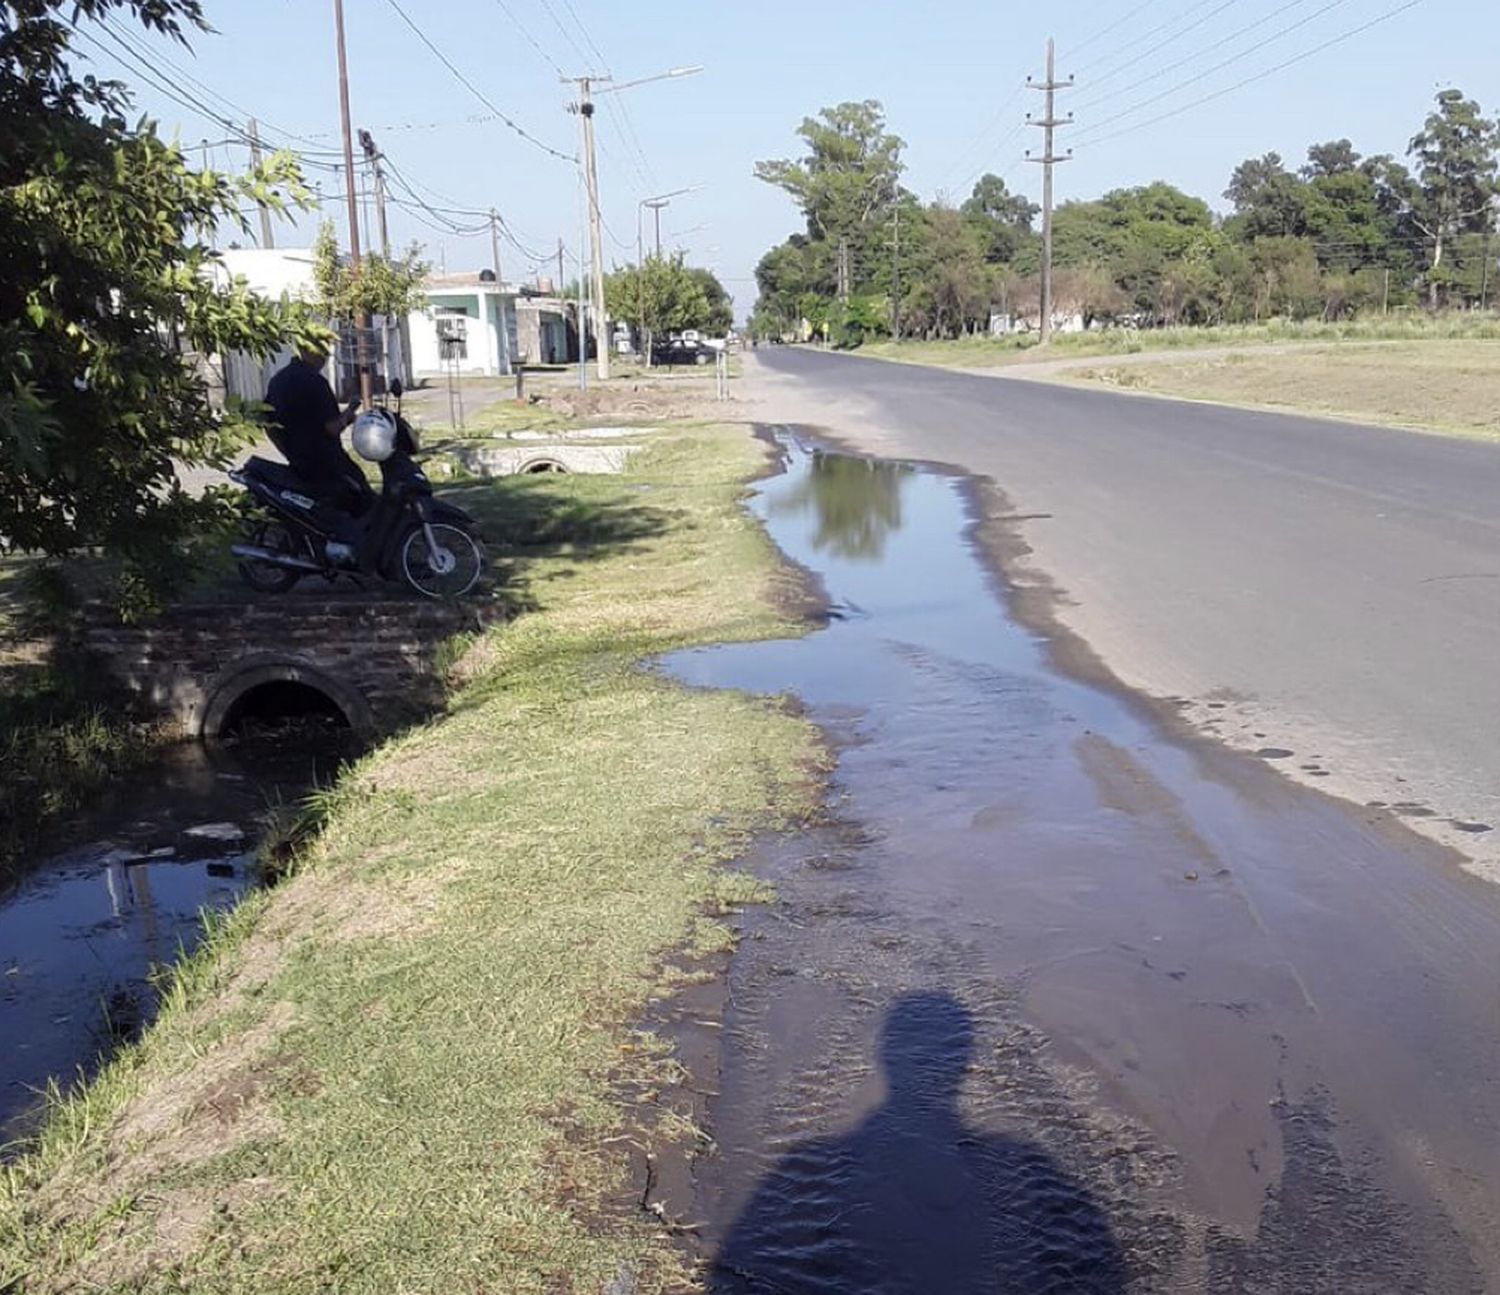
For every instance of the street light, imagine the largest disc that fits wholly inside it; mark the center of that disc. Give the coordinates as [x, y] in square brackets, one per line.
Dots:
[656, 204]
[585, 110]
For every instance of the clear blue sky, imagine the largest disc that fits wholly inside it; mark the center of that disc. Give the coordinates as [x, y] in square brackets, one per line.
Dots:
[947, 73]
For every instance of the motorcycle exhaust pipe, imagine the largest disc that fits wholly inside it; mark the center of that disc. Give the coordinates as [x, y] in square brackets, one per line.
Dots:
[275, 559]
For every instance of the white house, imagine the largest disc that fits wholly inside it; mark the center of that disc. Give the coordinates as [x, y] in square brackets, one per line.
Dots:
[460, 326]
[288, 272]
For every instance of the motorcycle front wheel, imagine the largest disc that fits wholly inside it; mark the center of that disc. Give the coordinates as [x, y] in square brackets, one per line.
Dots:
[447, 567]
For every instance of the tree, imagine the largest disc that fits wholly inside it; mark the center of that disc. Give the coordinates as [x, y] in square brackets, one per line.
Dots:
[1269, 201]
[106, 298]
[1002, 219]
[848, 180]
[1337, 157]
[1456, 169]
[393, 288]
[665, 296]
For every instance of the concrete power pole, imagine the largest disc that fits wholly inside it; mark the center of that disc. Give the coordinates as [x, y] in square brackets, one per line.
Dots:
[585, 109]
[896, 278]
[362, 323]
[374, 157]
[499, 290]
[266, 240]
[1049, 123]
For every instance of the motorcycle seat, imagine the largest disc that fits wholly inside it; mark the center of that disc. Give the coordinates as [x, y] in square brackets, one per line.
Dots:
[276, 475]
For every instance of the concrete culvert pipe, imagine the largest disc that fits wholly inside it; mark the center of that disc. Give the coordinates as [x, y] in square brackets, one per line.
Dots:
[277, 691]
[542, 465]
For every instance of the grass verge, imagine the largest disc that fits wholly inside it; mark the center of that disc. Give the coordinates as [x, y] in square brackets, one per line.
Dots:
[400, 1069]
[985, 352]
[1440, 386]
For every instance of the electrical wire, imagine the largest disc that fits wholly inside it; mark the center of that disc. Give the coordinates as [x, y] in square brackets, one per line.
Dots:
[1113, 27]
[1217, 67]
[1195, 55]
[1110, 73]
[475, 90]
[132, 43]
[1258, 76]
[531, 40]
[966, 155]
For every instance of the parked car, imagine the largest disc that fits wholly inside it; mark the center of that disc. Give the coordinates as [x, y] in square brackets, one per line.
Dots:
[681, 351]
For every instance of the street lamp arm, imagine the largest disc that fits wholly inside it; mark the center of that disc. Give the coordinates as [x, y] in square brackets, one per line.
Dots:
[615, 88]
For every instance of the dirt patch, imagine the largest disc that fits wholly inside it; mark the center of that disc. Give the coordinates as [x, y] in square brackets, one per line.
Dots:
[662, 398]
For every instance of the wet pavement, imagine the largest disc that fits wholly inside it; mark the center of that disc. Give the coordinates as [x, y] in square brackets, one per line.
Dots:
[83, 929]
[1063, 998]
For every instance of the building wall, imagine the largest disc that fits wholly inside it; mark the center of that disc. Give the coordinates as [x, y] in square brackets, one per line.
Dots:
[481, 310]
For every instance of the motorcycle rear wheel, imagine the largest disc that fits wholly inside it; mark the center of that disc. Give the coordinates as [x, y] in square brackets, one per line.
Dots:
[450, 570]
[267, 577]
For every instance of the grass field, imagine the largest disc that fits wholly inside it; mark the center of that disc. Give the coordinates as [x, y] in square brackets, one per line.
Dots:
[984, 352]
[403, 1068]
[1448, 386]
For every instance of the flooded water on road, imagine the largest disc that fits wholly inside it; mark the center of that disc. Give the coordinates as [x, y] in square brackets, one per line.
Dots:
[1064, 1000]
[82, 930]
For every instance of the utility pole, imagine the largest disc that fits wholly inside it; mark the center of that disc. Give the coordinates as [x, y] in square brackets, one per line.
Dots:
[1049, 123]
[844, 271]
[362, 322]
[1484, 282]
[374, 157]
[896, 277]
[500, 291]
[561, 282]
[585, 110]
[266, 240]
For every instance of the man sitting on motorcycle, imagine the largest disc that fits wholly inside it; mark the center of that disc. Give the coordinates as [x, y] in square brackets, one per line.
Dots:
[306, 423]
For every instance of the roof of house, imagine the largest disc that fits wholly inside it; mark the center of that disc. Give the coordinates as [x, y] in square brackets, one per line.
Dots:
[467, 279]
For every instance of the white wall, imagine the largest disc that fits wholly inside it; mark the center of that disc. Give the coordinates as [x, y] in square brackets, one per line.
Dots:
[482, 337]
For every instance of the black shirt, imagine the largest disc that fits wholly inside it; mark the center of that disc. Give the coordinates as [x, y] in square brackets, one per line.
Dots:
[302, 405]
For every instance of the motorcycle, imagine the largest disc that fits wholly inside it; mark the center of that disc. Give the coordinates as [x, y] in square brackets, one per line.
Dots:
[401, 533]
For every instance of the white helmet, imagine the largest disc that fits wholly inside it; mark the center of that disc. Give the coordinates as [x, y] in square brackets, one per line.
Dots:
[374, 435]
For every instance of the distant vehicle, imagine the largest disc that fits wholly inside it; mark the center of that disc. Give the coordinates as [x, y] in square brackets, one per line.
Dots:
[682, 351]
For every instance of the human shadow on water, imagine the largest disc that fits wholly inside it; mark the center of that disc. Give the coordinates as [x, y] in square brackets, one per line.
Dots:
[915, 1200]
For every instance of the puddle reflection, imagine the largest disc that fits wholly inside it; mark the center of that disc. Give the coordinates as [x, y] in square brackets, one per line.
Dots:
[857, 503]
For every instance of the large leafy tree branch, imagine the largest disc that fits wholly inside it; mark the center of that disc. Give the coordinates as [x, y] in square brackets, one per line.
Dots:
[111, 295]
[391, 287]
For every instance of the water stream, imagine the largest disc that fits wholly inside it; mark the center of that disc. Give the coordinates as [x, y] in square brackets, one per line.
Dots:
[84, 927]
[1064, 999]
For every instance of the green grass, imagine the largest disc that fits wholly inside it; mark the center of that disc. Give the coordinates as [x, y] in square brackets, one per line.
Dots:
[1443, 386]
[982, 352]
[405, 1067]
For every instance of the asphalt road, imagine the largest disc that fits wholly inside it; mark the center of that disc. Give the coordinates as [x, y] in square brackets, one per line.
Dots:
[1325, 589]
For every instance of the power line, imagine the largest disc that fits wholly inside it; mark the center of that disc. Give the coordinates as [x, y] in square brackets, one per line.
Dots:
[1109, 74]
[967, 152]
[1217, 67]
[1113, 27]
[1259, 76]
[143, 52]
[531, 40]
[1197, 54]
[475, 90]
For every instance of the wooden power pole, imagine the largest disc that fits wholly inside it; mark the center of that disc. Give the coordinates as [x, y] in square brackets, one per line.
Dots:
[362, 322]
[1049, 123]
